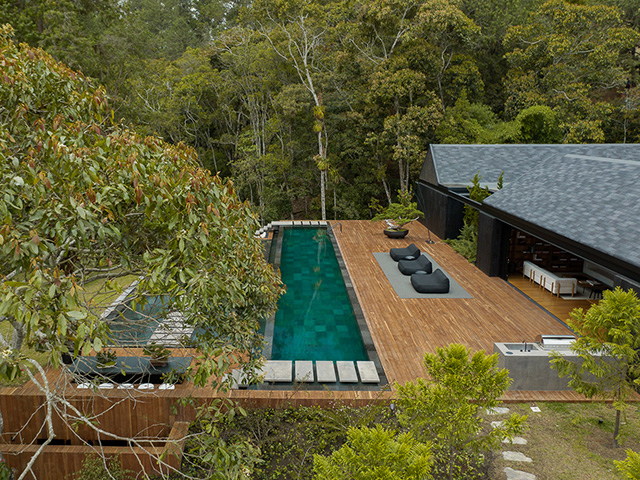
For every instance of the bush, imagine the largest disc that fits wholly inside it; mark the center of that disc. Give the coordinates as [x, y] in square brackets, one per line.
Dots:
[95, 467]
[467, 243]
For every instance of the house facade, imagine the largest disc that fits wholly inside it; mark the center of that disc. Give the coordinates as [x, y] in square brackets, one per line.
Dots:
[570, 209]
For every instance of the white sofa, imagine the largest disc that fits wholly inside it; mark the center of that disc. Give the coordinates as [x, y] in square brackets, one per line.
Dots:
[555, 284]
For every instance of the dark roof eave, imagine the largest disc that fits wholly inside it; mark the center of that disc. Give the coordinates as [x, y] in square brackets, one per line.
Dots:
[626, 269]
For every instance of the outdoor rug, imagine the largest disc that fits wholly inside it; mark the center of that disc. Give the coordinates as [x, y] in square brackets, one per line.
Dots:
[402, 284]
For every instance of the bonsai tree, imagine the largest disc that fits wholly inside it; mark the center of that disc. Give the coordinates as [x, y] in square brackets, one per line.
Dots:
[159, 354]
[399, 213]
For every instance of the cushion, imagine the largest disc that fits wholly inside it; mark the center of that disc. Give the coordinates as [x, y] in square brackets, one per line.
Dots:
[402, 253]
[409, 267]
[436, 282]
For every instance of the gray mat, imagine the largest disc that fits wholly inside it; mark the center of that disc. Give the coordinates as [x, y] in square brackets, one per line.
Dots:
[402, 283]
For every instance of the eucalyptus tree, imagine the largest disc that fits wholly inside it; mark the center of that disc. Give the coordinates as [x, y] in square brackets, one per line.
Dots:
[449, 35]
[87, 201]
[297, 31]
[569, 57]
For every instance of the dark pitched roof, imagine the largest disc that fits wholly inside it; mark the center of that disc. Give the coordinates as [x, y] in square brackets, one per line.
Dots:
[455, 165]
[592, 200]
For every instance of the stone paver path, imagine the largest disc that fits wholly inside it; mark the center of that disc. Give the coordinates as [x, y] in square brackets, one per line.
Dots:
[508, 455]
[515, 441]
[515, 456]
[518, 475]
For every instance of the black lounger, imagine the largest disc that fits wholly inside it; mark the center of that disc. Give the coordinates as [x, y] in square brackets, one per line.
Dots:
[420, 264]
[436, 282]
[409, 253]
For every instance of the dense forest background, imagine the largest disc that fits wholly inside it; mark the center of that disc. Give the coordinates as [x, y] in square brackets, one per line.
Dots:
[305, 100]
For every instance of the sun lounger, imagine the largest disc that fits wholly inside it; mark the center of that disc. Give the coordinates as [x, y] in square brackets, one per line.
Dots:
[436, 282]
[420, 264]
[408, 253]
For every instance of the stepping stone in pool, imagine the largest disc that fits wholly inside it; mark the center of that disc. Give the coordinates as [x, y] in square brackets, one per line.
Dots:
[326, 371]
[304, 371]
[278, 371]
[239, 378]
[347, 372]
[368, 372]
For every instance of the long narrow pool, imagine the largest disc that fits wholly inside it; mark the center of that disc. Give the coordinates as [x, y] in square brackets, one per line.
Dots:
[315, 319]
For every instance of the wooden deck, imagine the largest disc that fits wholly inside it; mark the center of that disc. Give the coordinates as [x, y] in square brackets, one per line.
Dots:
[404, 329]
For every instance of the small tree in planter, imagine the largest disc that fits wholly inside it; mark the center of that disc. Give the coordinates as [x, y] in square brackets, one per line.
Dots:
[106, 358]
[398, 214]
[158, 354]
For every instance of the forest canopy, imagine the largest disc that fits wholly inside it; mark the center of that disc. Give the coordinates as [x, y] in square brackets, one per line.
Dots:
[316, 107]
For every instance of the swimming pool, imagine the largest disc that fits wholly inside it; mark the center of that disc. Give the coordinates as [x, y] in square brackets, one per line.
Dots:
[134, 324]
[315, 318]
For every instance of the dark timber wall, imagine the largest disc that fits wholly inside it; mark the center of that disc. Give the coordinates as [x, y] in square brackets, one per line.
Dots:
[493, 246]
[443, 214]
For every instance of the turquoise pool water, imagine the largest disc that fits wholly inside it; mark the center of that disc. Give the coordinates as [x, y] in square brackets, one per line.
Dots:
[315, 320]
[133, 325]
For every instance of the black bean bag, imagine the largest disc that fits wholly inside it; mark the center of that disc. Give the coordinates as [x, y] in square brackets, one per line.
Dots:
[409, 267]
[409, 253]
[436, 282]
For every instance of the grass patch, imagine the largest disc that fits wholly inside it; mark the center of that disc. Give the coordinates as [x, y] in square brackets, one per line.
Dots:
[570, 441]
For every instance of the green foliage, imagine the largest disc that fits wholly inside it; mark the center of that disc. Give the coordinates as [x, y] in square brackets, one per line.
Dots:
[608, 345]
[286, 439]
[95, 467]
[5, 471]
[209, 455]
[400, 213]
[565, 56]
[86, 199]
[539, 124]
[468, 123]
[376, 453]
[477, 193]
[467, 243]
[446, 409]
[106, 358]
[156, 351]
[629, 467]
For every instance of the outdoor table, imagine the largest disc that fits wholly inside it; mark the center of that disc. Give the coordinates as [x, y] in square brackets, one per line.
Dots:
[131, 369]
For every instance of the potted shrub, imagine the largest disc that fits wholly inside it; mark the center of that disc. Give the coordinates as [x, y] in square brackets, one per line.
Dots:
[398, 214]
[106, 358]
[158, 354]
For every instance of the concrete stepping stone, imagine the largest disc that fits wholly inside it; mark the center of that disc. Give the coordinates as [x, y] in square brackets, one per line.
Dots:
[518, 474]
[497, 424]
[515, 456]
[497, 411]
[515, 441]
[278, 371]
[304, 371]
[346, 372]
[325, 371]
[368, 372]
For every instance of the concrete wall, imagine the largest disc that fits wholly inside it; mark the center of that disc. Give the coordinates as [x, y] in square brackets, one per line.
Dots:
[532, 370]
